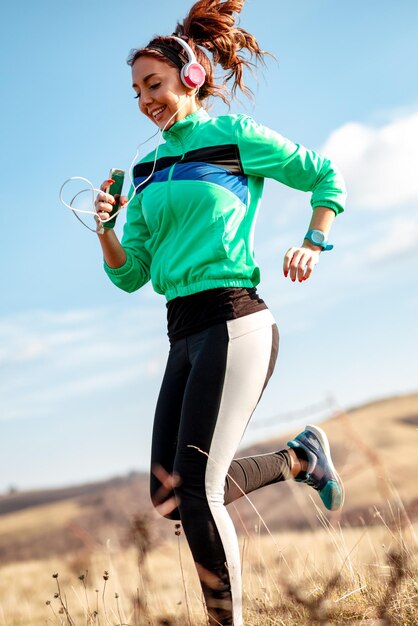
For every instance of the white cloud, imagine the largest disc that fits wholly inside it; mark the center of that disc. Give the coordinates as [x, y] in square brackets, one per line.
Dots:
[50, 360]
[394, 240]
[380, 165]
[33, 335]
[400, 237]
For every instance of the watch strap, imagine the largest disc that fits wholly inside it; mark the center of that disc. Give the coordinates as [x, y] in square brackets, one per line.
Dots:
[310, 236]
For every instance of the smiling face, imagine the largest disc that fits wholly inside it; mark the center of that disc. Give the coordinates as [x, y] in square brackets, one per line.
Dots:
[161, 93]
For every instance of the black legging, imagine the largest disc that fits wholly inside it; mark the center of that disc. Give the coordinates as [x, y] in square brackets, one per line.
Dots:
[212, 384]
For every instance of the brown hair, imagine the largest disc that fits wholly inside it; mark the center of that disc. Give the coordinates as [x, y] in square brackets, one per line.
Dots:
[210, 24]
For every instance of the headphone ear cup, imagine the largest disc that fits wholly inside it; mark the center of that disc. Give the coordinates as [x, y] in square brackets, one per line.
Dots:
[193, 75]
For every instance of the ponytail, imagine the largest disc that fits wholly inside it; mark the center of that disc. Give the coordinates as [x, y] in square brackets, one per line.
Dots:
[210, 25]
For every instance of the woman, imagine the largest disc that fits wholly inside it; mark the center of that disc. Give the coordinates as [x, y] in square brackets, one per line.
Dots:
[190, 230]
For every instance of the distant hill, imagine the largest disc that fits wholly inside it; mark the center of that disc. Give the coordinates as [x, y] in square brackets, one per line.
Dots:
[58, 521]
[374, 448]
[19, 500]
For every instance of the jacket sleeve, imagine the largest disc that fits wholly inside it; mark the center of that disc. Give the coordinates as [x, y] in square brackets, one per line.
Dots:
[268, 154]
[136, 270]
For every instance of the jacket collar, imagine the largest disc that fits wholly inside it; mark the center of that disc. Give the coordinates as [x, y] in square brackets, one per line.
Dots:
[185, 126]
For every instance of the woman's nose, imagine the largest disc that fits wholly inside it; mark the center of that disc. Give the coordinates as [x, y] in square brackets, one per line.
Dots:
[146, 98]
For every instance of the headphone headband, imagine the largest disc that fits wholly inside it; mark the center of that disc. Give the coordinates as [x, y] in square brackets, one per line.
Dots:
[185, 45]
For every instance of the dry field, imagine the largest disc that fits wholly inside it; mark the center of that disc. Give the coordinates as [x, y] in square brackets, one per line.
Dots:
[326, 576]
[300, 567]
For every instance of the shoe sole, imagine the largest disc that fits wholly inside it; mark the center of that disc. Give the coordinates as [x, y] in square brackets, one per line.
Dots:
[318, 432]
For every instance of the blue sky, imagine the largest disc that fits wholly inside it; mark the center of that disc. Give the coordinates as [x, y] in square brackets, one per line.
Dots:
[80, 361]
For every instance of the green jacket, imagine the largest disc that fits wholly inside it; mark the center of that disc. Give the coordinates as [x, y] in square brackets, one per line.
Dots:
[191, 226]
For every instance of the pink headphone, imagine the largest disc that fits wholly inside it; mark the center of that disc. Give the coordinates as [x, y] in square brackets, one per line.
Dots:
[192, 74]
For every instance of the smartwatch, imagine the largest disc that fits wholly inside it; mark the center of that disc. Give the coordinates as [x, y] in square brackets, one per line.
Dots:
[318, 238]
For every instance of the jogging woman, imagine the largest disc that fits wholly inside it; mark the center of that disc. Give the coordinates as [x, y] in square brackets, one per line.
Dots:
[190, 231]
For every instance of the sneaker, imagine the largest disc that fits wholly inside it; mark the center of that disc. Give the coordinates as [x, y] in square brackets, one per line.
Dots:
[321, 474]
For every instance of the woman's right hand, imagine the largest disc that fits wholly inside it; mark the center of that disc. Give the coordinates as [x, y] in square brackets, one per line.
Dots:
[105, 202]
[113, 252]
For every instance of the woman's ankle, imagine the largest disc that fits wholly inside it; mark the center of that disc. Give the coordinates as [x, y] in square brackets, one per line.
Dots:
[298, 465]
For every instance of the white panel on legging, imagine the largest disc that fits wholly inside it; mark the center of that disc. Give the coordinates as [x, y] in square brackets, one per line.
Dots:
[248, 358]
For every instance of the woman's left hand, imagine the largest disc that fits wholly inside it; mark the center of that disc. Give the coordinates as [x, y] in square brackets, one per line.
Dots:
[299, 263]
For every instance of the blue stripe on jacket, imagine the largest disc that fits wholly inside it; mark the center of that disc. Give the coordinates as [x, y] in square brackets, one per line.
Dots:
[237, 184]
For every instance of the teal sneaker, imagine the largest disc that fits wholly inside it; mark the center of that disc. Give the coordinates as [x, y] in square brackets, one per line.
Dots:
[321, 474]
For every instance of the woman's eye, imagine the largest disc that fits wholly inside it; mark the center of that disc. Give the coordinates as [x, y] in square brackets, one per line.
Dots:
[154, 86]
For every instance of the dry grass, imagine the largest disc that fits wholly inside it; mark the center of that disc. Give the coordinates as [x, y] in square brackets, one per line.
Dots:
[329, 576]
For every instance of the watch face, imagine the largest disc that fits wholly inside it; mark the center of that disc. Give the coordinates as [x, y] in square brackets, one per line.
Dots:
[318, 236]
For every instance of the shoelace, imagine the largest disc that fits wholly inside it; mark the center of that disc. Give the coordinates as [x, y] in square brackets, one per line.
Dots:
[311, 481]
